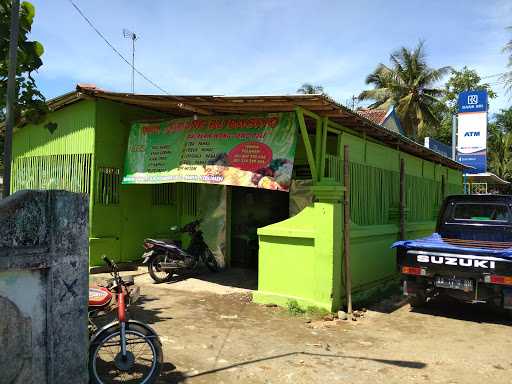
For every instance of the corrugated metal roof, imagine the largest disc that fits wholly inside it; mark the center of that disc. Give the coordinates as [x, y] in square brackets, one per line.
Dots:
[188, 105]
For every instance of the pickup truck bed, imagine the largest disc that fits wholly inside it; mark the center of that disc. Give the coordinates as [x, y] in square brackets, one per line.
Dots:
[469, 257]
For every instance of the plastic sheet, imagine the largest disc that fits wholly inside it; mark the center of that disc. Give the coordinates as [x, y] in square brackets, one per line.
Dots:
[301, 195]
[213, 212]
[435, 242]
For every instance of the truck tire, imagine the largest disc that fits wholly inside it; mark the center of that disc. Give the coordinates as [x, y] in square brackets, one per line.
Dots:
[417, 301]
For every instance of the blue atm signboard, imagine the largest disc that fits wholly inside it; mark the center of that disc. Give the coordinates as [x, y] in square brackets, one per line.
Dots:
[472, 130]
[472, 101]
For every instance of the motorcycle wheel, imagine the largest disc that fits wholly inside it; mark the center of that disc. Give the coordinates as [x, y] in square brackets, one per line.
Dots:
[210, 261]
[144, 356]
[154, 270]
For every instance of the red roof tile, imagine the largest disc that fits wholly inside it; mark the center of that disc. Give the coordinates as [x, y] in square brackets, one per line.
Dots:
[375, 115]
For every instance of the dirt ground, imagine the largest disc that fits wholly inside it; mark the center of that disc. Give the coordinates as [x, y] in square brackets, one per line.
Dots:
[212, 333]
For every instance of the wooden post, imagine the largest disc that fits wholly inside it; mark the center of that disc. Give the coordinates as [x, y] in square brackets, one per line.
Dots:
[346, 229]
[402, 199]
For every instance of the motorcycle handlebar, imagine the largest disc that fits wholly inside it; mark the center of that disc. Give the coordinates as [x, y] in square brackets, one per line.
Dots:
[107, 261]
[112, 265]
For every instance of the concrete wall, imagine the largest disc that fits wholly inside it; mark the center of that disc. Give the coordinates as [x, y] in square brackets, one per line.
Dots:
[43, 288]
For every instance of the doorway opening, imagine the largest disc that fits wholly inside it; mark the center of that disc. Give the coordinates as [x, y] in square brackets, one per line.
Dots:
[252, 208]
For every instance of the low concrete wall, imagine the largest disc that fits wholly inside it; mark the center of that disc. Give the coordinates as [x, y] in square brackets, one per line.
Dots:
[43, 288]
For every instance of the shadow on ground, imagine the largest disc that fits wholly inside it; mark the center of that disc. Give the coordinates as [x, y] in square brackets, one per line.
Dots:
[231, 277]
[170, 375]
[398, 363]
[453, 309]
[149, 315]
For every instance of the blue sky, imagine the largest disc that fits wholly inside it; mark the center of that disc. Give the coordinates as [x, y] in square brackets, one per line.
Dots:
[263, 46]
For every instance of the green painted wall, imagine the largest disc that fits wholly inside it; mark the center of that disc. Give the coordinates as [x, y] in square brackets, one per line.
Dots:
[74, 133]
[91, 136]
[298, 259]
[119, 229]
[296, 263]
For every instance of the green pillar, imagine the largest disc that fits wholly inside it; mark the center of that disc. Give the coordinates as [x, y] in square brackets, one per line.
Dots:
[330, 238]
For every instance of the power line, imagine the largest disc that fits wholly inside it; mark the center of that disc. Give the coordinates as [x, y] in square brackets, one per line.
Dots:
[494, 75]
[114, 48]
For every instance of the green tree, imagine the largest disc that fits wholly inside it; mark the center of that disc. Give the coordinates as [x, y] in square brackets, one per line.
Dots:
[464, 80]
[459, 81]
[30, 102]
[310, 89]
[409, 84]
[500, 145]
[507, 77]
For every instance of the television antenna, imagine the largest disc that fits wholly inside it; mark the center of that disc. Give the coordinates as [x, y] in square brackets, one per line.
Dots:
[131, 35]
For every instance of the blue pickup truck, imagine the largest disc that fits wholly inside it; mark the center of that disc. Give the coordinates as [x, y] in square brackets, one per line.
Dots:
[469, 257]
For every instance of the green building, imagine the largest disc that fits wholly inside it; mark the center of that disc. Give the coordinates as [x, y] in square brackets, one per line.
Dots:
[81, 147]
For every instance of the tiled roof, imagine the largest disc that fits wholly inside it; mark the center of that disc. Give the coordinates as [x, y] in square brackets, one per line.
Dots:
[375, 115]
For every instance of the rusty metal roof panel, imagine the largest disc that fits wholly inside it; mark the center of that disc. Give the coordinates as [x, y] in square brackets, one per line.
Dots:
[322, 105]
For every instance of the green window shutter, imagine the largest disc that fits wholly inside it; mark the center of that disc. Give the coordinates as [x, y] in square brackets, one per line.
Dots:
[107, 185]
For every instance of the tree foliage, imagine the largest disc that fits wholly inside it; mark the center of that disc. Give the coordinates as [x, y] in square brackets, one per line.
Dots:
[507, 77]
[310, 89]
[30, 101]
[500, 145]
[459, 81]
[409, 84]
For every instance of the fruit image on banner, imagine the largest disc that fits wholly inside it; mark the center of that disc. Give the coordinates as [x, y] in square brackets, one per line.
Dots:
[248, 151]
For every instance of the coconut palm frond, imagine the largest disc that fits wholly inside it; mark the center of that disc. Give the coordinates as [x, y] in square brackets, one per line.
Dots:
[410, 84]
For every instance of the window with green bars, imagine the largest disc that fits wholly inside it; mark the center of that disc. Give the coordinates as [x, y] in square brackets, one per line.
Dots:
[164, 194]
[107, 185]
[188, 196]
[375, 196]
[69, 172]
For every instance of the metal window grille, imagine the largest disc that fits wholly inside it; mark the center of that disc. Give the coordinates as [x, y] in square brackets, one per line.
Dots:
[71, 172]
[375, 196]
[333, 168]
[475, 188]
[107, 185]
[188, 198]
[164, 194]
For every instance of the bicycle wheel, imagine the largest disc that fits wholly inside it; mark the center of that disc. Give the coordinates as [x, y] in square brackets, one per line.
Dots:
[143, 358]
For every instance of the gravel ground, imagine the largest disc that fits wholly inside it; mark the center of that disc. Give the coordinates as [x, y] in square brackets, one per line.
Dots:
[212, 333]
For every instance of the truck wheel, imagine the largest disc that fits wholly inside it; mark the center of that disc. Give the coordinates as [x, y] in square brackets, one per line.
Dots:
[417, 301]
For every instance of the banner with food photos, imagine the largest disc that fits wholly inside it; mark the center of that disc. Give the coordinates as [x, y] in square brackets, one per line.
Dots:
[243, 150]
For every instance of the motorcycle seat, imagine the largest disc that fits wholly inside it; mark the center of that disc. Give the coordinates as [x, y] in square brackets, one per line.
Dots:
[171, 246]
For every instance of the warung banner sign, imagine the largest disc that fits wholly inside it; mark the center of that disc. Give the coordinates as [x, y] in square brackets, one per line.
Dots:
[249, 151]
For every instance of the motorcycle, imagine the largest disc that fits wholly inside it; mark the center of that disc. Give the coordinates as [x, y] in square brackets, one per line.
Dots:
[166, 258]
[125, 349]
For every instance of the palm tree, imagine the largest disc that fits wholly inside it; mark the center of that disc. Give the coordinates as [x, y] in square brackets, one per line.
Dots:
[409, 84]
[310, 89]
[500, 150]
[500, 145]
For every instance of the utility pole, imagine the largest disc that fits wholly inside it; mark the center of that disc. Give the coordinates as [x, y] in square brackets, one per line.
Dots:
[11, 94]
[131, 35]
